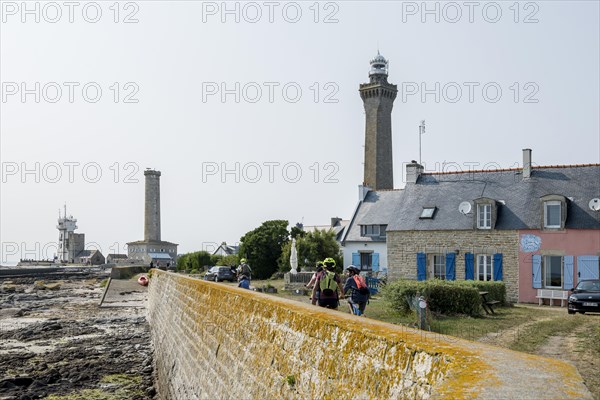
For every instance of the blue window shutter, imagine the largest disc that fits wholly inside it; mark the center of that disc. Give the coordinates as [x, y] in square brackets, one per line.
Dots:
[469, 266]
[536, 270]
[375, 260]
[450, 266]
[356, 260]
[568, 276]
[421, 267]
[497, 267]
[587, 267]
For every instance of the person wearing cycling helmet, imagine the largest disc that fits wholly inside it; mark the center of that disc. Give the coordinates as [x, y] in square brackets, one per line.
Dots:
[313, 280]
[360, 292]
[244, 269]
[328, 286]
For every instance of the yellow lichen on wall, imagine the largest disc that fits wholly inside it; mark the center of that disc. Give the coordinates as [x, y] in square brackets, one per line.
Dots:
[217, 341]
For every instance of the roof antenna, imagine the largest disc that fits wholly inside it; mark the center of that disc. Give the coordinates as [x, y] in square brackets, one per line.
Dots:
[421, 132]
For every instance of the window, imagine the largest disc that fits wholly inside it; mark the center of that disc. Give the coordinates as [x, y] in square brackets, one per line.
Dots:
[382, 230]
[369, 230]
[366, 261]
[552, 271]
[427, 212]
[552, 215]
[484, 216]
[484, 267]
[438, 266]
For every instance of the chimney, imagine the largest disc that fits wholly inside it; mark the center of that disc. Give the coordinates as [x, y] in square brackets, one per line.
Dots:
[526, 163]
[413, 171]
[362, 192]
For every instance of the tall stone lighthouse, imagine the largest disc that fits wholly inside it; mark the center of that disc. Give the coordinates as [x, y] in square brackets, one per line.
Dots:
[152, 249]
[378, 97]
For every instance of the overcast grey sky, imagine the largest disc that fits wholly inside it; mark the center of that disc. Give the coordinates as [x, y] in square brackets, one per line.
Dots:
[95, 92]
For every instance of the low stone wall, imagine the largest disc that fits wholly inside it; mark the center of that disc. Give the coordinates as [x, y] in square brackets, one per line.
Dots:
[214, 341]
[127, 271]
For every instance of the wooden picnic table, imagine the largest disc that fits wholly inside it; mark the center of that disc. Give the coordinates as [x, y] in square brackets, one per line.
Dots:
[486, 304]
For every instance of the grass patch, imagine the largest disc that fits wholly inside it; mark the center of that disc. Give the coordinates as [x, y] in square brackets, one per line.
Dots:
[104, 282]
[122, 379]
[98, 394]
[588, 350]
[465, 327]
[379, 309]
[116, 387]
[534, 336]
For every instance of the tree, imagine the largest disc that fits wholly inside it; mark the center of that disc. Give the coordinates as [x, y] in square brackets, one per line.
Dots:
[229, 260]
[215, 259]
[312, 246]
[197, 260]
[262, 247]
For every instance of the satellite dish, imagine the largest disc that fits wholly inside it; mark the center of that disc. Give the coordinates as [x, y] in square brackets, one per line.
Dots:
[595, 204]
[464, 207]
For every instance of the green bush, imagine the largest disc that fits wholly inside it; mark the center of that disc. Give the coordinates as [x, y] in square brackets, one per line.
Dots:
[444, 297]
[496, 290]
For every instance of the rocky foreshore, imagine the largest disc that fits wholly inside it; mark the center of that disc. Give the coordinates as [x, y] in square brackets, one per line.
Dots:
[56, 342]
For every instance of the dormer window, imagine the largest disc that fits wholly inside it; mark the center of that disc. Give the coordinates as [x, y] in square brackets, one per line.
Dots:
[554, 211]
[484, 216]
[373, 230]
[486, 211]
[552, 214]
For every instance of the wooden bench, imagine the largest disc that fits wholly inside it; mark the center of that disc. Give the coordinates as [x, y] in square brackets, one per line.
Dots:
[487, 305]
[551, 295]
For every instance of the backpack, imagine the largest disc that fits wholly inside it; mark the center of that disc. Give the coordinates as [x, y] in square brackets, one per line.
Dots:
[361, 284]
[328, 284]
[246, 270]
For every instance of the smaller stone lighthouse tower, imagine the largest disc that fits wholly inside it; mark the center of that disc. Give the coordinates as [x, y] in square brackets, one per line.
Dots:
[152, 206]
[152, 249]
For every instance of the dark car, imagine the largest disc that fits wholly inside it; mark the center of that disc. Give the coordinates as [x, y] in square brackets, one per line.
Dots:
[218, 274]
[585, 297]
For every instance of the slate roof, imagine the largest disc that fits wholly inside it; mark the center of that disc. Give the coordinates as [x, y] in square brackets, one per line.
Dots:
[377, 208]
[115, 255]
[228, 249]
[154, 242]
[87, 253]
[521, 207]
[338, 229]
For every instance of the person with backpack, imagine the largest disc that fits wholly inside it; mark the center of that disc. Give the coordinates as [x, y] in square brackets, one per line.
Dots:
[327, 289]
[313, 278]
[244, 269]
[313, 282]
[360, 292]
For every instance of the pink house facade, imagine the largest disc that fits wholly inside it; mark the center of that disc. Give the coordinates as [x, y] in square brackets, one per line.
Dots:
[556, 260]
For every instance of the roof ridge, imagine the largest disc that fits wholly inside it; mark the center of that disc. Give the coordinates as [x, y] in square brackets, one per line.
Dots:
[509, 169]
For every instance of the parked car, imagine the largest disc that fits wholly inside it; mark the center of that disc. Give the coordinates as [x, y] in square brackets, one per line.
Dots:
[219, 274]
[585, 297]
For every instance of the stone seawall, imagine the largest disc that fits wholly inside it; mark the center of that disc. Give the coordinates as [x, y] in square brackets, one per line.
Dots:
[214, 341]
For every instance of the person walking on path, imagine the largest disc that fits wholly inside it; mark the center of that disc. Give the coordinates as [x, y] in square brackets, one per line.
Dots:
[328, 286]
[360, 292]
[313, 281]
[244, 269]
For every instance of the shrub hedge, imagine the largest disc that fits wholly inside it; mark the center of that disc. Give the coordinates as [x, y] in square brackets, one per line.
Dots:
[444, 297]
